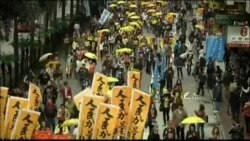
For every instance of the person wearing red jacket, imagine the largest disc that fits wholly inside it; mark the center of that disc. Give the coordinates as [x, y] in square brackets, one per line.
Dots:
[66, 92]
[246, 112]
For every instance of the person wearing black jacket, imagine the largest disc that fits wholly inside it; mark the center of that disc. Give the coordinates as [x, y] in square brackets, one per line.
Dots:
[234, 101]
[154, 134]
[201, 82]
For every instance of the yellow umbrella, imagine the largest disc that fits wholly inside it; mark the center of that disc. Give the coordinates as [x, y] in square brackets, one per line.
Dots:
[109, 93]
[87, 43]
[192, 120]
[90, 55]
[131, 14]
[112, 79]
[70, 122]
[144, 3]
[151, 10]
[140, 22]
[201, 27]
[112, 5]
[171, 13]
[157, 14]
[121, 2]
[132, 6]
[90, 38]
[135, 24]
[151, 5]
[104, 30]
[126, 50]
[161, 2]
[135, 17]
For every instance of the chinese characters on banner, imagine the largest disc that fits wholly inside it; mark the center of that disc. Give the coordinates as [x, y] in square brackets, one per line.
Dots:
[79, 96]
[121, 96]
[138, 114]
[100, 84]
[34, 96]
[3, 101]
[134, 79]
[14, 104]
[87, 115]
[25, 124]
[106, 121]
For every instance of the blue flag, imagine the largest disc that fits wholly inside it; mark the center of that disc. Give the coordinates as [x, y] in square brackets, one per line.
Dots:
[156, 77]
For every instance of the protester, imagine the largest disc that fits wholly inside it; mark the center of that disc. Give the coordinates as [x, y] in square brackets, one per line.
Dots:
[179, 115]
[246, 112]
[167, 100]
[217, 94]
[66, 92]
[192, 134]
[154, 135]
[50, 113]
[169, 133]
[202, 114]
[62, 115]
[152, 117]
[236, 131]
[215, 135]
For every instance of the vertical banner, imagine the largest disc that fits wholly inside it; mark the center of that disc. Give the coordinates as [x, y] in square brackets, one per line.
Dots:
[3, 101]
[138, 114]
[105, 122]
[121, 96]
[25, 125]
[14, 104]
[104, 16]
[100, 84]
[34, 96]
[87, 115]
[221, 49]
[134, 79]
[79, 96]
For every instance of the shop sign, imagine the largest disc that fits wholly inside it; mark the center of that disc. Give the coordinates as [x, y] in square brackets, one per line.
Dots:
[238, 36]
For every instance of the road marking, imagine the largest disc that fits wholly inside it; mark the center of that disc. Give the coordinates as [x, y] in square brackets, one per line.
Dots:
[185, 95]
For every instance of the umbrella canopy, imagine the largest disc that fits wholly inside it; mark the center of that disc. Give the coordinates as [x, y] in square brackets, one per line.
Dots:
[132, 6]
[126, 50]
[45, 57]
[131, 14]
[104, 30]
[144, 3]
[161, 2]
[201, 27]
[112, 5]
[140, 22]
[151, 5]
[157, 14]
[90, 55]
[151, 10]
[192, 120]
[70, 122]
[121, 2]
[135, 17]
[135, 24]
[112, 79]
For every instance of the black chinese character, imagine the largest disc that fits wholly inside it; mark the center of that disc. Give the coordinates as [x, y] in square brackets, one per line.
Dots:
[139, 110]
[14, 120]
[140, 98]
[120, 94]
[99, 87]
[107, 113]
[134, 131]
[91, 103]
[17, 105]
[135, 81]
[105, 123]
[27, 118]
[24, 131]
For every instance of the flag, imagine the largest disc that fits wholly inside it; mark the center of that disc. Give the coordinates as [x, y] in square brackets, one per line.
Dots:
[156, 77]
[89, 104]
[77, 98]
[221, 49]
[100, 84]
[105, 121]
[139, 108]
[121, 96]
[3, 101]
[14, 104]
[34, 96]
[134, 79]
[104, 16]
[25, 125]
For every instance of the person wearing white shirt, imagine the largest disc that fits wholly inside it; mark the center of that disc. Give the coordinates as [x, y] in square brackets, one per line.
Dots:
[50, 71]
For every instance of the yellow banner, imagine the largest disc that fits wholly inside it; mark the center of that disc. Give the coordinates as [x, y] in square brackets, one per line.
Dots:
[35, 97]
[100, 84]
[138, 114]
[79, 96]
[106, 121]
[87, 115]
[25, 125]
[134, 79]
[3, 101]
[121, 96]
[14, 104]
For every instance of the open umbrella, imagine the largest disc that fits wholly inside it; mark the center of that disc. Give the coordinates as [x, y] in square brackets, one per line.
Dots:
[90, 55]
[126, 50]
[192, 120]
[151, 10]
[151, 5]
[161, 2]
[135, 17]
[132, 6]
[45, 57]
[112, 5]
[70, 122]
[144, 3]
[135, 24]
[201, 27]
[131, 14]
[121, 2]
[104, 30]
[112, 79]
[157, 14]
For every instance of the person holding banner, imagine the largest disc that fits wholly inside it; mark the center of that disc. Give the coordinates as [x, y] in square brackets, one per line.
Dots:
[62, 115]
